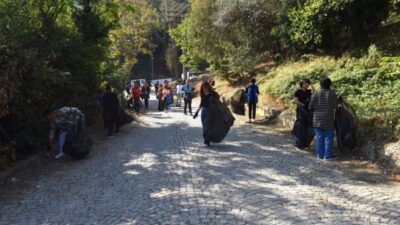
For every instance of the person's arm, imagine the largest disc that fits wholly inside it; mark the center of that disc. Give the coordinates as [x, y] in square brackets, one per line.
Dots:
[52, 132]
[257, 90]
[198, 110]
[297, 101]
[312, 89]
[311, 107]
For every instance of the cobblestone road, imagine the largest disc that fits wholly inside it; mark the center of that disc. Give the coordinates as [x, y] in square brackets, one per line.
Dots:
[158, 172]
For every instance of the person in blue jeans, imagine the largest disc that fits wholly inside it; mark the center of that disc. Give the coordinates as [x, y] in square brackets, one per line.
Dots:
[323, 104]
[252, 99]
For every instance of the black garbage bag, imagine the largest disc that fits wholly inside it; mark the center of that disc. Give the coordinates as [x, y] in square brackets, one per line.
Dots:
[124, 118]
[219, 121]
[78, 144]
[238, 101]
[303, 131]
[346, 125]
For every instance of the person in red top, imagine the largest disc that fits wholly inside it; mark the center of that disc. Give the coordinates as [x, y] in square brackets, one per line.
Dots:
[136, 96]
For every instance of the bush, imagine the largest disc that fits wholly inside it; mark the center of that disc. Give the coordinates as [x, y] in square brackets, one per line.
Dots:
[370, 84]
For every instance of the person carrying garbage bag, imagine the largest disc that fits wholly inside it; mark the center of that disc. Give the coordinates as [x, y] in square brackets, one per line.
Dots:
[303, 131]
[216, 117]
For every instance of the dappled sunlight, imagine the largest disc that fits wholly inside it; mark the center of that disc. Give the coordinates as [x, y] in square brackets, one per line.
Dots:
[146, 160]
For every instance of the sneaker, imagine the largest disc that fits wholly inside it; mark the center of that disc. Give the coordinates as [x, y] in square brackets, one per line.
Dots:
[331, 158]
[59, 155]
[249, 121]
[319, 158]
[298, 148]
[207, 143]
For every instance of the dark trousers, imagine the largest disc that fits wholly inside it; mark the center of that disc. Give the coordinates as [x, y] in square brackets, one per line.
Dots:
[188, 103]
[252, 110]
[112, 119]
[146, 102]
[136, 105]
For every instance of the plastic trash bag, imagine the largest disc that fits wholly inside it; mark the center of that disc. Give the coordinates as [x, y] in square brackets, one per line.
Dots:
[238, 101]
[78, 145]
[124, 118]
[303, 131]
[346, 125]
[219, 121]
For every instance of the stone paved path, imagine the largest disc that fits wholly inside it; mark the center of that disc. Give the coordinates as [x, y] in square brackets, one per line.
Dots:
[158, 172]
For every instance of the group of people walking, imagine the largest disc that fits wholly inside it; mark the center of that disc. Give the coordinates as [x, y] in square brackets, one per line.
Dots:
[315, 112]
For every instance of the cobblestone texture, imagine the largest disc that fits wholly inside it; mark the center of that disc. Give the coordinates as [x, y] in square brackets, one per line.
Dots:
[158, 172]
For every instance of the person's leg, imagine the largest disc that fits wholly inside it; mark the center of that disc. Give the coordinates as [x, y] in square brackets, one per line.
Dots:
[250, 110]
[254, 110]
[204, 114]
[116, 121]
[110, 123]
[319, 133]
[185, 105]
[190, 106]
[61, 142]
[329, 144]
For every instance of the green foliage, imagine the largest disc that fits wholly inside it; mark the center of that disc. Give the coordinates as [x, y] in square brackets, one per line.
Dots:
[232, 36]
[57, 53]
[370, 84]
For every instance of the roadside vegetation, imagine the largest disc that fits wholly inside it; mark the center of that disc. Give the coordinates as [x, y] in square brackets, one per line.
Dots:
[354, 42]
[58, 52]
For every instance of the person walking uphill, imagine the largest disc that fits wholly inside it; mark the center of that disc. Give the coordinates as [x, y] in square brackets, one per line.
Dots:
[111, 110]
[323, 104]
[65, 120]
[252, 99]
[206, 93]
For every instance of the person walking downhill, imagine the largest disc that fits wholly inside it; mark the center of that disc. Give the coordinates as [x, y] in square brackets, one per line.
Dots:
[206, 93]
[179, 94]
[111, 110]
[252, 99]
[160, 99]
[323, 104]
[167, 96]
[302, 130]
[187, 90]
[145, 93]
[65, 120]
[136, 96]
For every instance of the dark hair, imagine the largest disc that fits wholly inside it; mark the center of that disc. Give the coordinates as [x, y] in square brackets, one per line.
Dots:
[210, 89]
[325, 83]
[253, 81]
[47, 111]
[108, 87]
[304, 81]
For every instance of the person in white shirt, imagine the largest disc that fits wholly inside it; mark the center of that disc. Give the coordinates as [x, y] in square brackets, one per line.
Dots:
[179, 94]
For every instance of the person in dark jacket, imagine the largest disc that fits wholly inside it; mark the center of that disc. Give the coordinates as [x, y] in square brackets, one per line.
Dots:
[206, 93]
[145, 93]
[303, 123]
[323, 104]
[111, 110]
[252, 99]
